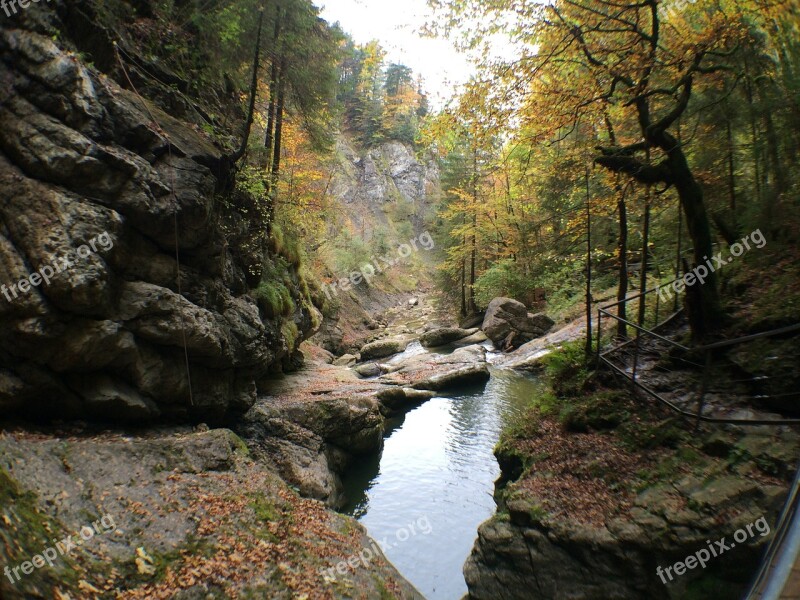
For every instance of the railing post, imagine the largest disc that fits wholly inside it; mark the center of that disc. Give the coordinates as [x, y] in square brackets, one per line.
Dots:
[636, 355]
[703, 388]
[658, 298]
[599, 331]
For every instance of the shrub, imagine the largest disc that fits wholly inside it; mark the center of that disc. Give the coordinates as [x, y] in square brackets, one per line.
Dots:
[274, 299]
[502, 279]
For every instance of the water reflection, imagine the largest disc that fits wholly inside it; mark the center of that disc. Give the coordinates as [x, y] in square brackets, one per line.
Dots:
[438, 463]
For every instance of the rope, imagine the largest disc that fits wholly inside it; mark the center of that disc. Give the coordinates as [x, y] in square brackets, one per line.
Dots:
[161, 133]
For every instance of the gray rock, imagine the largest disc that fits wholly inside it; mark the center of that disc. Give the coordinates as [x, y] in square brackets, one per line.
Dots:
[81, 163]
[368, 370]
[382, 349]
[346, 360]
[114, 400]
[441, 337]
[476, 338]
[462, 377]
[398, 399]
[509, 324]
[312, 440]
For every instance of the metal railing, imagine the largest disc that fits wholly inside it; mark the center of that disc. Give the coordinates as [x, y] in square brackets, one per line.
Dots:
[708, 351]
[782, 552]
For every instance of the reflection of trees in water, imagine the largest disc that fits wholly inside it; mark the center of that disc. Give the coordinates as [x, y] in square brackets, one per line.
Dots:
[357, 481]
[478, 416]
[359, 478]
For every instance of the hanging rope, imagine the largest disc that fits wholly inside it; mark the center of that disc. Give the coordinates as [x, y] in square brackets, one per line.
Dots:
[161, 133]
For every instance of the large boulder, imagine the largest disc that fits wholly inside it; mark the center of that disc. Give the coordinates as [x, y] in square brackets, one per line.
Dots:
[509, 324]
[443, 336]
[463, 368]
[382, 349]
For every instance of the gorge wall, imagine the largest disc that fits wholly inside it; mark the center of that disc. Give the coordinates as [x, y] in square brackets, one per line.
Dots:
[122, 331]
[385, 195]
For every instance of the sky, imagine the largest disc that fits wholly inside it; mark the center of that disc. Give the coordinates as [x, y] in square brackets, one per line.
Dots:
[394, 23]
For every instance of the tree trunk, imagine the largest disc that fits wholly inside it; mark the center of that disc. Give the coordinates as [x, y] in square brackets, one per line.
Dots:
[622, 250]
[588, 346]
[709, 309]
[253, 92]
[464, 284]
[473, 253]
[272, 195]
[731, 169]
[273, 91]
[645, 254]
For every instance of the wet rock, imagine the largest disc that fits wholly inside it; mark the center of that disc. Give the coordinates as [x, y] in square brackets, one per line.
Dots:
[346, 360]
[464, 367]
[462, 377]
[443, 336]
[368, 370]
[399, 399]
[310, 440]
[382, 349]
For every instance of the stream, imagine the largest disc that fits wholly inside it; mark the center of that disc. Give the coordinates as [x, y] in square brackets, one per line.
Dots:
[431, 488]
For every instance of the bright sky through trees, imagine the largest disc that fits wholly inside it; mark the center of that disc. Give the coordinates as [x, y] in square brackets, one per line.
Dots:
[396, 25]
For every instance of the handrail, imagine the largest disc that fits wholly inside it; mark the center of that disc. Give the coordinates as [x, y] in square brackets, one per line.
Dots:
[765, 587]
[749, 338]
[639, 294]
[644, 329]
[707, 350]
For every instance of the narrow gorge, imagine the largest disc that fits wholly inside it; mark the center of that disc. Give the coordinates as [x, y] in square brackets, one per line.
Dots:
[283, 317]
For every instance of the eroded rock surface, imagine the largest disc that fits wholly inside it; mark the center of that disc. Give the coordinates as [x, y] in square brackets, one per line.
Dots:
[509, 324]
[82, 163]
[178, 514]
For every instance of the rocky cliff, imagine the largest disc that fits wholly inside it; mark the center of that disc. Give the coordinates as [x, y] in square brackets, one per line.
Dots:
[127, 275]
[604, 500]
[388, 196]
[378, 185]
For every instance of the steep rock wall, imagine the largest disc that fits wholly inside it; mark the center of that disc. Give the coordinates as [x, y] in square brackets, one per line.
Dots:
[82, 161]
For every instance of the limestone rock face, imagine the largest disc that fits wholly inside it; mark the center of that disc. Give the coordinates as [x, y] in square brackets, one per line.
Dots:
[311, 441]
[526, 552]
[92, 193]
[390, 175]
[509, 324]
[54, 486]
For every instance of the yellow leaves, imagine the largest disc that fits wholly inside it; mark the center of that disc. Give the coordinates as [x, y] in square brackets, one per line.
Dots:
[303, 199]
[87, 587]
[144, 563]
